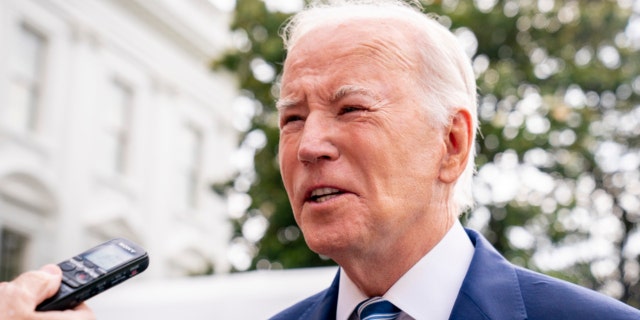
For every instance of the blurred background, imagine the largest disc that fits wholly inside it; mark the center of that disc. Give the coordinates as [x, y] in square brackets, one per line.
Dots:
[154, 120]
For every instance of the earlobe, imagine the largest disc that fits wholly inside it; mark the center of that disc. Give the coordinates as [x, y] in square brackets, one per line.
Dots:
[458, 143]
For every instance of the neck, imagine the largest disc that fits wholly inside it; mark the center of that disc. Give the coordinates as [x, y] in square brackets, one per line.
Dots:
[392, 261]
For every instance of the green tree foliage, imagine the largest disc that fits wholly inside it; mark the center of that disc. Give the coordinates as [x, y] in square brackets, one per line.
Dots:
[558, 183]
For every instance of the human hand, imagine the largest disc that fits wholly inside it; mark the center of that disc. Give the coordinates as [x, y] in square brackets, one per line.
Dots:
[19, 298]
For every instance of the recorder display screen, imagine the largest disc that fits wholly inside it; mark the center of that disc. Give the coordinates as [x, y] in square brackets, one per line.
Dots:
[108, 256]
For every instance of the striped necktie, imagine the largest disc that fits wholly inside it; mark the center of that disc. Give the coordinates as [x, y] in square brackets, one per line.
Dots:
[377, 308]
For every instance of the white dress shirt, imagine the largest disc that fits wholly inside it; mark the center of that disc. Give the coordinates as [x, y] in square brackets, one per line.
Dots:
[429, 289]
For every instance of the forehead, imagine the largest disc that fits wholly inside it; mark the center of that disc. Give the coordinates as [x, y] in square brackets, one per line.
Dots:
[368, 43]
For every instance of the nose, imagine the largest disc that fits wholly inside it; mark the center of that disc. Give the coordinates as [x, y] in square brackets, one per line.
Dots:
[316, 142]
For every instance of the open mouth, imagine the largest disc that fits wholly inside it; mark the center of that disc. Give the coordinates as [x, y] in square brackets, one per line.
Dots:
[323, 194]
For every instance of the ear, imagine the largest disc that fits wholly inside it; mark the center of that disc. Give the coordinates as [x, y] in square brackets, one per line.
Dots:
[458, 142]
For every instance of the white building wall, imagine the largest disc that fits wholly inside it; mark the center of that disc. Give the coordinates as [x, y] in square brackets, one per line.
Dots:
[53, 189]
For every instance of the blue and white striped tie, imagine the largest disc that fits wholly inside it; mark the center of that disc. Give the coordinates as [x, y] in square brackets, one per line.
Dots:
[377, 308]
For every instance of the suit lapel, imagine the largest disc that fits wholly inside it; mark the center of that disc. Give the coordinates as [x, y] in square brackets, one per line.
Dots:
[490, 289]
[325, 307]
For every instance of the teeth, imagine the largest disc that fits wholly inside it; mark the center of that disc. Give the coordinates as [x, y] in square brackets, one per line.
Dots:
[324, 194]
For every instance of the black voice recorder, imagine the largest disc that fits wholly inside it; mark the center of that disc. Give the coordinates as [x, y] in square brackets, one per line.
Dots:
[95, 271]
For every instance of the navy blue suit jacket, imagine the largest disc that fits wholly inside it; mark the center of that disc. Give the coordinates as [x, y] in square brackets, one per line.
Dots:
[495, 289]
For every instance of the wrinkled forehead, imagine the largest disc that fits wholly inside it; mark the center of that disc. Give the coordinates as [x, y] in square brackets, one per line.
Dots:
[387, 41]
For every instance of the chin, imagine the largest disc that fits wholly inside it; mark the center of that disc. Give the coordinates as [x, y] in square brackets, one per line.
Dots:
[328, 244]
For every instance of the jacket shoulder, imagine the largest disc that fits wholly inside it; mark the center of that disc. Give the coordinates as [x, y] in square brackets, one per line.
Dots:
[496, 289]
[546, 297]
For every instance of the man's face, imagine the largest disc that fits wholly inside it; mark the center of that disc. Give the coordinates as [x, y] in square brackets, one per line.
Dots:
[359, 155]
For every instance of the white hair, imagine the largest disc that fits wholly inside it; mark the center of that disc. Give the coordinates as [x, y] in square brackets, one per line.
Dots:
[446, 78]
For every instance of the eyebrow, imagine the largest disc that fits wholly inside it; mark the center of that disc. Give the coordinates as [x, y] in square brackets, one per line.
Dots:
[343, 91]
[347, 90]
[286, 103]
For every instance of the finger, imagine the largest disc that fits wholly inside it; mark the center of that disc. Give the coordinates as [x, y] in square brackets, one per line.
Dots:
[81, 312]
[40, 284]
[83, 307]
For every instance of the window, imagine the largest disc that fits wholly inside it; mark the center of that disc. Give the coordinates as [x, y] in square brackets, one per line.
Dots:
[116, 126]
[189, 144]
[25, 83]
[13, 246]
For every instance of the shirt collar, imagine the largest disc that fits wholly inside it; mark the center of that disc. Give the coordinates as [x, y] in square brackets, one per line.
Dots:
[426, 291]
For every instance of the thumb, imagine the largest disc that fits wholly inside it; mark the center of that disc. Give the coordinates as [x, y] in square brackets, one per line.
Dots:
[53, 280]
[41, 284]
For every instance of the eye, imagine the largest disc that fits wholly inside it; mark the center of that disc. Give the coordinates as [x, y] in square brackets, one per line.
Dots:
[350, 108]
[289, 119]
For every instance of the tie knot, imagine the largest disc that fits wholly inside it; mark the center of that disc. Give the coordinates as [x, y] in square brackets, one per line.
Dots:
[377, 308]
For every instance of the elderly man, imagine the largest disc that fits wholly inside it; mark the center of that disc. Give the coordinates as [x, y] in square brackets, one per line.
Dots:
[377, 125]
[377, 128]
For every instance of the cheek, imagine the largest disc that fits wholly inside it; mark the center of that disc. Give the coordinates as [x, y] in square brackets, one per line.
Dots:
[412, 165]
[287, 159]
